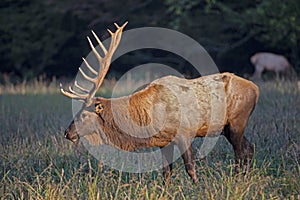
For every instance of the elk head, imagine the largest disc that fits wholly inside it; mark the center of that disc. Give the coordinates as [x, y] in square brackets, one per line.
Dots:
[91, 107]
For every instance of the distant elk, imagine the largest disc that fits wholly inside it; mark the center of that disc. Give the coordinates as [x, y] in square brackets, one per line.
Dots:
[174, 110]
[269, 61]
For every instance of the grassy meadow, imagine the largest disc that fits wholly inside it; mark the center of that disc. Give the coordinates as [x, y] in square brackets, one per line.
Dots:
[36, 162]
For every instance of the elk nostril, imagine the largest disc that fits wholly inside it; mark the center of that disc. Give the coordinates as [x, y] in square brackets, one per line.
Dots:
[66, 134]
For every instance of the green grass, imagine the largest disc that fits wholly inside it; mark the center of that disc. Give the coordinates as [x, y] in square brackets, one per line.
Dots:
[36, 162]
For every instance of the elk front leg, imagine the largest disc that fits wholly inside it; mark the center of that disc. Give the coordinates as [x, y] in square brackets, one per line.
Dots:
[185, 147]
[167, 155]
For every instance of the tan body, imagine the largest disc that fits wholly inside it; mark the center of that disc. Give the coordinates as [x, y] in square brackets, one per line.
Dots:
[173, 109]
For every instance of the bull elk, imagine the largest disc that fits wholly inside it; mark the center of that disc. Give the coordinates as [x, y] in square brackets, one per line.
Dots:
[173, 110]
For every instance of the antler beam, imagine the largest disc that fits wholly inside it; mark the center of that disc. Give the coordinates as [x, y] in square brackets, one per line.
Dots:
[104, 63]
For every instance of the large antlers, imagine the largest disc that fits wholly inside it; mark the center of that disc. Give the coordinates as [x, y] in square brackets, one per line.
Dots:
[104, 63]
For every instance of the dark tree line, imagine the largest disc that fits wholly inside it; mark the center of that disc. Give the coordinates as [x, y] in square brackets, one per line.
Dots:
[48, 37]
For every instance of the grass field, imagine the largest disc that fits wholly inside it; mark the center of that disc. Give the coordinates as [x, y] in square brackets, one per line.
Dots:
[36, 162]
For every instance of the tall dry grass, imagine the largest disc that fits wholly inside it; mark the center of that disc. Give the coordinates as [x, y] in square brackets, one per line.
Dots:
[36, 162]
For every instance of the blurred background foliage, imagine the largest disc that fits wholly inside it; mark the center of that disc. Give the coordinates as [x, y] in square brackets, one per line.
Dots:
[49, 37]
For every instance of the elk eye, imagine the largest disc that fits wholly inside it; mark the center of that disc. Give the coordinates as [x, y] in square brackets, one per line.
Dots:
[99, 108]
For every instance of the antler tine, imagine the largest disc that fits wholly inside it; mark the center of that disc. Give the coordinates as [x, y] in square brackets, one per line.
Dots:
[89, 67]
[78, 94]
[100, 43]
[116, 25]
[72, 94]
[94, 49]
[93, 80]
[80, 87]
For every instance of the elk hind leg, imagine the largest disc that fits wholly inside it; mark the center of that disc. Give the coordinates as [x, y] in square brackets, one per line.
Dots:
[243, 149]
[167, 155]
[248, 152]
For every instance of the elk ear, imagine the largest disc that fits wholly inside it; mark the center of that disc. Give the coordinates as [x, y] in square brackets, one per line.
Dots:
[99, 108]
